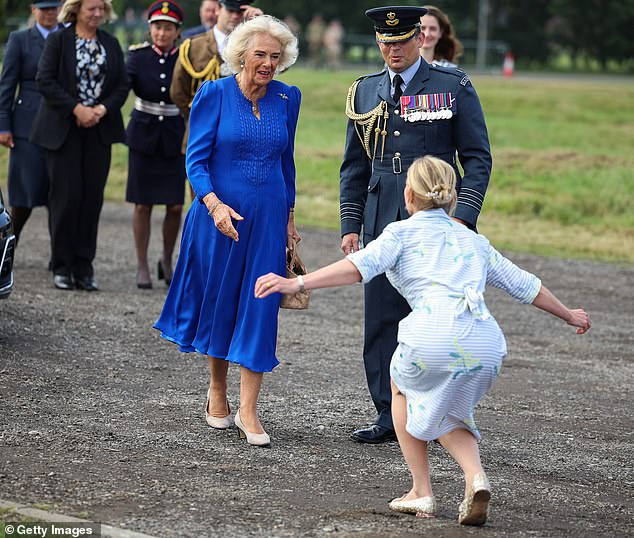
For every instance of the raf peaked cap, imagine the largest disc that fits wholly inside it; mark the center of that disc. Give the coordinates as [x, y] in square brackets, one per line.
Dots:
[234, 5]
[165, 10]
[47, 4]
[395, 23]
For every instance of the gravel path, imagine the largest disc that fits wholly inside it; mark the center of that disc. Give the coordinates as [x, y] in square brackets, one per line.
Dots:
[102, 419]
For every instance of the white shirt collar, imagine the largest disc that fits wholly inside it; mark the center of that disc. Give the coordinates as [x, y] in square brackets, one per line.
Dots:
[44, 31]
[220, 37]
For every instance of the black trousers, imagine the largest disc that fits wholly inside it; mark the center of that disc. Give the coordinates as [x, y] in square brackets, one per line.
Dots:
[78, 172]
[384, 309]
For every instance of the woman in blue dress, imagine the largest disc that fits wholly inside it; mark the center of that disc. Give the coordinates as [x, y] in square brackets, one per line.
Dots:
[450, 348]
[240, 164]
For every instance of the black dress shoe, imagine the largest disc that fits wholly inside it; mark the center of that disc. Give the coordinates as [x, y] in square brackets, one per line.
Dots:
[63, 282]
[374, 435]
[86, 283]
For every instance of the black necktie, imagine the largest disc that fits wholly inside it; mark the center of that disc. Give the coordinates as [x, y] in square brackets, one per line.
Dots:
[397, 81]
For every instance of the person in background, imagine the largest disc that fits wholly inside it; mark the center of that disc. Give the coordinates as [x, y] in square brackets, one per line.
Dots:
[81, 76]
[441, 46]
[293, 24]
[200, 59]
[449, 349]
[333, 43]
[208, 17]
[156, 165]
[19, 101]
[240, 162]
[315, 37]
[409, 109]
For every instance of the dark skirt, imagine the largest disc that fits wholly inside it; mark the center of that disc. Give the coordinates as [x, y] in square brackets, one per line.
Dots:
[28, 178]
[155, 180]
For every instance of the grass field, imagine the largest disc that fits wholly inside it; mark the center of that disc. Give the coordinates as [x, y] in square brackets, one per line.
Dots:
[563, 166]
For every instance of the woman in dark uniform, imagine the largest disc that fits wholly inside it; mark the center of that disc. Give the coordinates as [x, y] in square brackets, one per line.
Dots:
[156, 166]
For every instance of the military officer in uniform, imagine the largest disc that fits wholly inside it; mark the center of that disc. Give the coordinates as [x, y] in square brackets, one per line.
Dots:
[208, 17]
[199, 57]
[156, 166]
[19, 101]
[408, 110]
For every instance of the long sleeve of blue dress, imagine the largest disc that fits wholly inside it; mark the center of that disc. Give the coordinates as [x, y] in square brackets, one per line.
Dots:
[288, 157]
[203, 126]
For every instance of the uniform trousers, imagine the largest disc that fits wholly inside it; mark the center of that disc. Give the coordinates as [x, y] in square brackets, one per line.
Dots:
[384, 309]
[78, 171]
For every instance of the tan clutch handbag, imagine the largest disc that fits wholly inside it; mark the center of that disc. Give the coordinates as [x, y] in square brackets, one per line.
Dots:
[295, 266]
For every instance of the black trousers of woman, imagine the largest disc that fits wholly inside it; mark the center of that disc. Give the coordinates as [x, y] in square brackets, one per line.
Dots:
[78, 172]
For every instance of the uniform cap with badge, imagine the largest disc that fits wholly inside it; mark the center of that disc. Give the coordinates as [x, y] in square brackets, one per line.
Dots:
[235, 5]
[165, 10]
[394, 24]
[47, 4]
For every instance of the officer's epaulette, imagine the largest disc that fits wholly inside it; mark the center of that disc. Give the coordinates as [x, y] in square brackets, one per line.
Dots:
[139, 46]
[455, 71]
[370, 75]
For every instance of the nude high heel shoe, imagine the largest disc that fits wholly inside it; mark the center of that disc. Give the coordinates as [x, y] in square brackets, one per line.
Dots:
[215, 422]
[255, 439]
[474, 509]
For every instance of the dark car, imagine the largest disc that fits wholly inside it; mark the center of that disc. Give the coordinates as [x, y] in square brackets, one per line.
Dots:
[7, 248]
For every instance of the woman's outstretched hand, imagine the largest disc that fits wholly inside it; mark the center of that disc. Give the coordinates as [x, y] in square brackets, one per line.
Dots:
[222, 219]
[222, 215]
[272, 283]
[578, 317]
[581, 319]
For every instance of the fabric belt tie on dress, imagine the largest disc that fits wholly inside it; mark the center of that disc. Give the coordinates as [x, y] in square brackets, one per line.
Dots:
[470, 299]
[156, 109]
[473, 300]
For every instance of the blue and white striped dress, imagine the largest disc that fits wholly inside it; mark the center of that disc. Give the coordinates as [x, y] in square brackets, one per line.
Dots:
[450, 349]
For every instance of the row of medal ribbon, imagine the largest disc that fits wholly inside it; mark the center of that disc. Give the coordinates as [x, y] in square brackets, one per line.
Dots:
[431, 106]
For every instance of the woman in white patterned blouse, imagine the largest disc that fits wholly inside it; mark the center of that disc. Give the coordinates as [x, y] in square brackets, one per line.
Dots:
[450, 348]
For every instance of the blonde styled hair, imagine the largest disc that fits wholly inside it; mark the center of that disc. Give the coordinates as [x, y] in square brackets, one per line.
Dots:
[433, 182]
[239, 41]
[69, 11]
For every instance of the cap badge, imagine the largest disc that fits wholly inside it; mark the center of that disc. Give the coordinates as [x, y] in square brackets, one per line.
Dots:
[165, 8]
[391, 19]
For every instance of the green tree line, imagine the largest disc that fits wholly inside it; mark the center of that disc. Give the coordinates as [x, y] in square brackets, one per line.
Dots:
[536, 31]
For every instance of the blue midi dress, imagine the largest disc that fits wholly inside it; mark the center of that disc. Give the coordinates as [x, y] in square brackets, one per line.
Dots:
[450, 349]
[210, 306]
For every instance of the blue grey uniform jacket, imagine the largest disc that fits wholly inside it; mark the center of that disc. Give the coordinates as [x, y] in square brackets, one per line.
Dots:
[371, 193]
[19, 66]
[196, 30]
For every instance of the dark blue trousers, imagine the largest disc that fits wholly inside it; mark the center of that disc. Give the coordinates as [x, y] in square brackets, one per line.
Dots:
[384, 309]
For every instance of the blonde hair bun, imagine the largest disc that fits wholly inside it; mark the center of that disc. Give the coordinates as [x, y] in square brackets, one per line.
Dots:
[433, 182]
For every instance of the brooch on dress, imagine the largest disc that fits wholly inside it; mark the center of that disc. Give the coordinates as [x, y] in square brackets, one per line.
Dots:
[283, 95]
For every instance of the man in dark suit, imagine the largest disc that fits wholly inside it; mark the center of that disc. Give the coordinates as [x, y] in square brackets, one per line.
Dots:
[208, 17]
[19, 101]
[408, 110]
